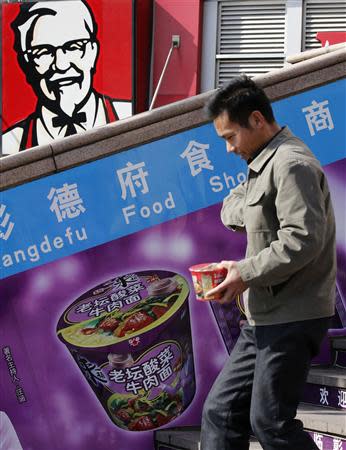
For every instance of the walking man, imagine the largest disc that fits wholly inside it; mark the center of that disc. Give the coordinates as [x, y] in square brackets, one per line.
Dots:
[290, 267]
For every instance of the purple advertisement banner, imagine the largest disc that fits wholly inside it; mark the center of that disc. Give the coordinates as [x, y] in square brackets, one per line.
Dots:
[44, 390]
[325, 442]
[106, 343]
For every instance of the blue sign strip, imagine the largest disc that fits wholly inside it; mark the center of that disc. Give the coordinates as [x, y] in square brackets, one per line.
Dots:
[121, 194]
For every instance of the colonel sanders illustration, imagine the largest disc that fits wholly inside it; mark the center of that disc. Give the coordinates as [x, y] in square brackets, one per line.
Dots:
[57, 49]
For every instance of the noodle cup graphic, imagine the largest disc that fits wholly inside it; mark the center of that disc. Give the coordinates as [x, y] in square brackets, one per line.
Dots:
[131, 338]
[205, 277]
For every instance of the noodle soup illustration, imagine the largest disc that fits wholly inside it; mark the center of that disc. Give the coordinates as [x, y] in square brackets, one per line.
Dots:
[131, 338]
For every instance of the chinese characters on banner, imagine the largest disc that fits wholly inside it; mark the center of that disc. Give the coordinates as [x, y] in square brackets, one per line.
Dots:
[66, 202]
[152, 207]
[131, 184]
[6, 225]
[318, 117]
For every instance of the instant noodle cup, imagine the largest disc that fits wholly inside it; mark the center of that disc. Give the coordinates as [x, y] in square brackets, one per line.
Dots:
[131, 338]
[205, 277]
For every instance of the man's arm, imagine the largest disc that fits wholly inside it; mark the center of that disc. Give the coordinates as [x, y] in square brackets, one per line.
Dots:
[232, 212]
[300, 206]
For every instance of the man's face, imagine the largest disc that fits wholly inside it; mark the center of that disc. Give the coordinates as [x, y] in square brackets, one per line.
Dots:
[242, 141]
[62, 56]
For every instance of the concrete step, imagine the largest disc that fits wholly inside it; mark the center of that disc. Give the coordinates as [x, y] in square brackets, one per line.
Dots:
[338, 347]
[338, 343]
[328, 376]
[185, 439]
[323, 420]
[326, 387]
[255, 445]
[327, 426]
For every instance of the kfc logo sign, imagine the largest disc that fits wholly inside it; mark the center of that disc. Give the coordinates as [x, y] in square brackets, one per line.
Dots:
[58, 49]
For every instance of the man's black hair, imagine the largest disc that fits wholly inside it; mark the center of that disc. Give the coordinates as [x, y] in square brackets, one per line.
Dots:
[240, 97]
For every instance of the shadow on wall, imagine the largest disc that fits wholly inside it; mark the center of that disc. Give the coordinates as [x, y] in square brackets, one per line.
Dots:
[181, 79]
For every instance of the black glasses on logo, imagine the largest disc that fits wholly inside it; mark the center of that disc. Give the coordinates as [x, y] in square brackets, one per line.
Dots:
[46, 53]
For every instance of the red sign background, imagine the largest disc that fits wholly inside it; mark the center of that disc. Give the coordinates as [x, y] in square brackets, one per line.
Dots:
[114, 67]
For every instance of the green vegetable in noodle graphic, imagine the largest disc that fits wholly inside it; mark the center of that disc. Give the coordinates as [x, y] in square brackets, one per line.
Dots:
[170, 405]
[119, 403]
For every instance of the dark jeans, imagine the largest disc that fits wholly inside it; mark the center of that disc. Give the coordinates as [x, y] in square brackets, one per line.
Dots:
[260, 387]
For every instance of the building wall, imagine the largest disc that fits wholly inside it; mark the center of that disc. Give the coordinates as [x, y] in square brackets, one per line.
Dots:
[182, 78]
[256, 36]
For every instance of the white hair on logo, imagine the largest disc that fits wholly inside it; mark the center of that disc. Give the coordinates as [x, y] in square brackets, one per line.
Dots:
[74, 7]
[24, 29]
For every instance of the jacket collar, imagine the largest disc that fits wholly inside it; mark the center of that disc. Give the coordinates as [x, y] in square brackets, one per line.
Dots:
[257, 164]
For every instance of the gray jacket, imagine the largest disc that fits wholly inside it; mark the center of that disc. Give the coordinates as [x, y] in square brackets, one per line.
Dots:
[285, 207]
